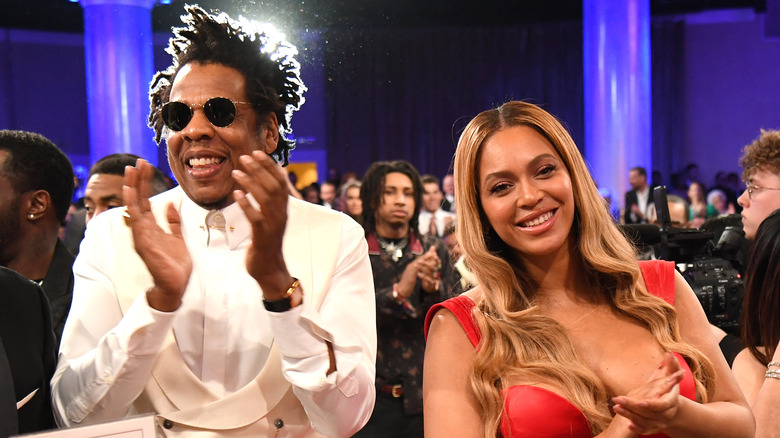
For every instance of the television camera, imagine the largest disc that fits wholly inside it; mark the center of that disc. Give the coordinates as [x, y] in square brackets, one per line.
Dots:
[712, 268]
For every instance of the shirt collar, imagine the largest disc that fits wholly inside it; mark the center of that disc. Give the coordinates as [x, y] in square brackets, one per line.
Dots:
[199, 223]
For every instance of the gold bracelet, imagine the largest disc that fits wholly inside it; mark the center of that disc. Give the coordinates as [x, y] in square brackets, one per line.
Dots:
[285, 303]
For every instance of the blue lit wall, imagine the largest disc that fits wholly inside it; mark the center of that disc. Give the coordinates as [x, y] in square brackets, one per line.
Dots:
[118, 50]
[731, 86]
[616, 51]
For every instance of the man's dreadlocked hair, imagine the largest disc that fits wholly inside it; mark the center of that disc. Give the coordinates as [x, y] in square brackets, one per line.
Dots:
[273, 82]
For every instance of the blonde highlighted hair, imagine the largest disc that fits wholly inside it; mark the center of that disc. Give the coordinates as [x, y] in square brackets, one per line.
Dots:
[517, 340]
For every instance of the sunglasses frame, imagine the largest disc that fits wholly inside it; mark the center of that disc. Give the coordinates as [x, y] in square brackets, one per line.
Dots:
[208, 113]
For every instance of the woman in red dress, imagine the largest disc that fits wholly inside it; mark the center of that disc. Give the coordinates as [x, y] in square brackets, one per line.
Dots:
[566, 335]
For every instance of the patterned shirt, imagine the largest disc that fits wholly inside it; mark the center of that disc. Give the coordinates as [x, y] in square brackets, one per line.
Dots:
[400, 339]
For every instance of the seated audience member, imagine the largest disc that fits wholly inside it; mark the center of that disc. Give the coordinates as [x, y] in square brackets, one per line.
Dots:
[311, 194]
[758, 368]
[36, 186]
[328, 194]
[433, 219]
[723, 184]
[760, 162]
[566, 335]
[27, 356]
[224, 307]
[717, 199]
[104, 184]
[679, 212]
[639, 198]
[350, 198]
[463, 278]
[448, 188]
[450, 239]
[700, 209]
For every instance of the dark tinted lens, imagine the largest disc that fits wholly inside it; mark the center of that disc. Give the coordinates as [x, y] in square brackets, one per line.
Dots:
[220, 111]
[176, 115]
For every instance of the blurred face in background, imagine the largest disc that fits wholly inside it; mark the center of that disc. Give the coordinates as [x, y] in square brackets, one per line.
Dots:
[719, 202]
[448, 185]
[678, 216]
[353, 203]
[636, 180]
[328, 193]
[310, 194]
[695, 193]
[432, 197]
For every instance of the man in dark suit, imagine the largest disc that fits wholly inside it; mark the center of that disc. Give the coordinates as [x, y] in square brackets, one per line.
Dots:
[27, 356]
[638, 198]
[36, 186]
[448, 189]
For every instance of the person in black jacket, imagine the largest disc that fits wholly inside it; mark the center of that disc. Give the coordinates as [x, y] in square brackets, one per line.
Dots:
[27, 356]
[36, 186]
[638, 198]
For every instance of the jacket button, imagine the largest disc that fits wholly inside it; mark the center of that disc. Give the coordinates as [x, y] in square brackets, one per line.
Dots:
[168, 424]
[278, 423]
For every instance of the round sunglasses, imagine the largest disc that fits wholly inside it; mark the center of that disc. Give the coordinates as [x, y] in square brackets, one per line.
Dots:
[220, 111]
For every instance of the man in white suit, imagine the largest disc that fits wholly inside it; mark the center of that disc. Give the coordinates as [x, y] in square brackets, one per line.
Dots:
[223, 306]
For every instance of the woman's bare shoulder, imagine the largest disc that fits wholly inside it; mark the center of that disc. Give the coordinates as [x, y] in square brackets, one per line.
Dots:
[474, 294]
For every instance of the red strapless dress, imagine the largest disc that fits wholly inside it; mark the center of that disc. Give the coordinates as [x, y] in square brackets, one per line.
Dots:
[531, 411]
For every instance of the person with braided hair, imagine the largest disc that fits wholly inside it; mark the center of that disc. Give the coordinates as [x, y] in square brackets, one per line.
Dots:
[224, 306]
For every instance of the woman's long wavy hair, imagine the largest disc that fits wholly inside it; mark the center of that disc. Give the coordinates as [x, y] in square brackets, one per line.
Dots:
[760, 322]
[518, 342]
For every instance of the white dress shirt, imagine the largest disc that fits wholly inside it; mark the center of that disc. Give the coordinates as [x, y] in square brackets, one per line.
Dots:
[222, 329]
[442, 217]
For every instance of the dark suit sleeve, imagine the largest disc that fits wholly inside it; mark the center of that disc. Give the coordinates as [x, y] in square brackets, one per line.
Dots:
[627, 212]
[26, 333]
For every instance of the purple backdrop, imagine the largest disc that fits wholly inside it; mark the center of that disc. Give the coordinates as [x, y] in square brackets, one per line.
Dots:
[728, 90]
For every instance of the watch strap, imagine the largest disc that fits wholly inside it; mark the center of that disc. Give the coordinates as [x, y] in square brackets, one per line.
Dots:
[285, 303]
